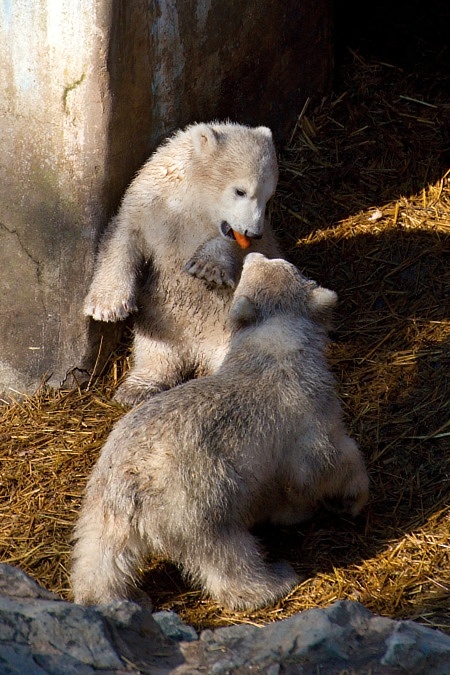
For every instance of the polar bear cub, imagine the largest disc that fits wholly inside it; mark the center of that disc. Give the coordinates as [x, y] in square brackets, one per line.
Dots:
[170, 255]
[185, 474]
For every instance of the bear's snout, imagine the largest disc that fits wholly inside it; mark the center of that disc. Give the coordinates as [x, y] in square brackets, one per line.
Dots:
[253, 235]
[228, 231]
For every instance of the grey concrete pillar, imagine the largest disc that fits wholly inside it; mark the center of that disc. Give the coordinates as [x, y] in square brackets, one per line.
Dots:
[54, 116]
[88, 88]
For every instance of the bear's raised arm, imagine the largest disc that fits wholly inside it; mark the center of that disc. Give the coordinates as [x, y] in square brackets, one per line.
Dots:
[112, 294]
[217, 262]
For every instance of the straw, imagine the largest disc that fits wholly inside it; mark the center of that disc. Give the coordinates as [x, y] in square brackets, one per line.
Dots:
[363, 207]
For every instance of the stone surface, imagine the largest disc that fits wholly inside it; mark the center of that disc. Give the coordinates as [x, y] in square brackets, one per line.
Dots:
[42, 635]
[345, 637]
[53, 134]
[88, 89]
[174, 628]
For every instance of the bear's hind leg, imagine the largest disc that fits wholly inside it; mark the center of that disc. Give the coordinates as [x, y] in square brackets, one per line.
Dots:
[347, 489]
[233, 572]
[106, 556]
[157, 366]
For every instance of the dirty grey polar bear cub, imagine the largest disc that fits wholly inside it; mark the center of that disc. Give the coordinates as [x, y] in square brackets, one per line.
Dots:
[185, 474]
[179, 219]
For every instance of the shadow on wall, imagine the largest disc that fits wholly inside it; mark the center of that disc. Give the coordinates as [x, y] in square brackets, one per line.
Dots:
[171, 64]
[43, 270]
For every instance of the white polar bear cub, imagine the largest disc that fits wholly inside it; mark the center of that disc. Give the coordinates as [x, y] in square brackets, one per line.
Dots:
[172, 254]
[186, 474]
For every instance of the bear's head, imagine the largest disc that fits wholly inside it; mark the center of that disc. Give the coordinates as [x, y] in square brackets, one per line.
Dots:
[271, 288]
[236, 169]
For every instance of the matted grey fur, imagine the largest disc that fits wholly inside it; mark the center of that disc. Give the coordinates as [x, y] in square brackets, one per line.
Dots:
[170, 254]
[186, 474]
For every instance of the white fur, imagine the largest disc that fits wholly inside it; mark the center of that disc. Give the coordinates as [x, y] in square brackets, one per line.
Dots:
[187, 473]
[171, 219]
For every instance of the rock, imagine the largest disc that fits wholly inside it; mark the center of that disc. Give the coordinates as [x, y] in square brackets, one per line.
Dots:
[345, 637]
[16, 584]
[174, 628]
[43, 635]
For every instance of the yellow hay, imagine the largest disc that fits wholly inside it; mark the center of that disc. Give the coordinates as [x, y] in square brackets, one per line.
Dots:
[363, 207]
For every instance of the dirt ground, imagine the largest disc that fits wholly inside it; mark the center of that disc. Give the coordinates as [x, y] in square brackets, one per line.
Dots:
[363, 207]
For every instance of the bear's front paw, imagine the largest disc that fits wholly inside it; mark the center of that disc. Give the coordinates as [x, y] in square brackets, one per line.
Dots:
[211, 272]
[106, 307]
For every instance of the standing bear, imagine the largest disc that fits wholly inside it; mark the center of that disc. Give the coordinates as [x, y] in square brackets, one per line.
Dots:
[174, 251]
[185, 474]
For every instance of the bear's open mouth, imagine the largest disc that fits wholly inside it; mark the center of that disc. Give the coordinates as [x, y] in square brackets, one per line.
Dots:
[227, 230]
[242, 239]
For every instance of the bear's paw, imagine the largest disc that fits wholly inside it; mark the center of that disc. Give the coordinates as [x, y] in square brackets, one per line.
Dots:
[211, 272]
[108, 307]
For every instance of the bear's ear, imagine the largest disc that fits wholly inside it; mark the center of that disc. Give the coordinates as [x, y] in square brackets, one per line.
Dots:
[204, 139]
[265, 131]
[321, 302]
[242, 313]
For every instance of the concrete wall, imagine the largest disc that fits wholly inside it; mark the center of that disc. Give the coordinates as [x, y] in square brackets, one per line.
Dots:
[88, 88]
[54, 103]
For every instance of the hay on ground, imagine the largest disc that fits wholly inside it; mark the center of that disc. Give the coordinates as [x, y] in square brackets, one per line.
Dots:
[363, 207]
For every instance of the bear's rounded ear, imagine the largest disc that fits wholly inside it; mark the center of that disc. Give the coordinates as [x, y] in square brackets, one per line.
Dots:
[204, 139]
[323, 297]
[321, 302]
[265, 131]
[242, 313]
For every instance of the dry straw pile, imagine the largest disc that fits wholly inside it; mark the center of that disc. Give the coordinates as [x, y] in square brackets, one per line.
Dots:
[363, 207]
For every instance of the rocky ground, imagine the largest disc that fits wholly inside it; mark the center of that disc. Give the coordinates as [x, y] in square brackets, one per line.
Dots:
[43, 635]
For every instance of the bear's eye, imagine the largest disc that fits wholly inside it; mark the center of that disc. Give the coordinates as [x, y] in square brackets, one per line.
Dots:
[239, 192]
